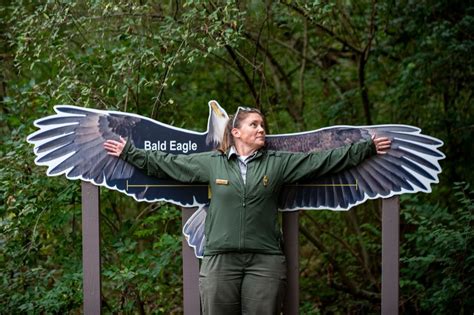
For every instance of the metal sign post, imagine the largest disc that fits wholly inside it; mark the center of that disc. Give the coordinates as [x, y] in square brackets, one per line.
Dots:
[291, 248]
[91, 248]
[191, 301]
[390, 254]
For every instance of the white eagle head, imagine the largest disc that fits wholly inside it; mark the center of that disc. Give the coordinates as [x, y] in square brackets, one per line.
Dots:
[216, 124]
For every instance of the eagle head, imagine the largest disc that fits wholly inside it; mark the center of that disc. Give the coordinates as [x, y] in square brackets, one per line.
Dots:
[218, 119]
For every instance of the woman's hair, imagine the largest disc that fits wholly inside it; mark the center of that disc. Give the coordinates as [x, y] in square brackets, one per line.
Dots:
[235, 122]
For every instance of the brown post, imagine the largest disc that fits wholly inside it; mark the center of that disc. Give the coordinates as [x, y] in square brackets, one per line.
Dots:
[390, 254]
[91, 249]
[191, 301]
[291, 248]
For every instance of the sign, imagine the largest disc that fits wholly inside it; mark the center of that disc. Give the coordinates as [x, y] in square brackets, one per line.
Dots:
[71, 143]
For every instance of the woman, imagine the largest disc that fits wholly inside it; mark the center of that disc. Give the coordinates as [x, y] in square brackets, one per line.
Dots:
[244, 270]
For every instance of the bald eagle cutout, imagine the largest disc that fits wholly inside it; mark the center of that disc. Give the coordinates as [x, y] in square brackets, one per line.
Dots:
[71, 143]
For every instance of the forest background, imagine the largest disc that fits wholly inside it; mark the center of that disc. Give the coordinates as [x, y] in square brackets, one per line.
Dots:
[306, 65]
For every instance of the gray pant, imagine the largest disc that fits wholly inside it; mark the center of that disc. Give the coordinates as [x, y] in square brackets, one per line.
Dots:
[242, 283]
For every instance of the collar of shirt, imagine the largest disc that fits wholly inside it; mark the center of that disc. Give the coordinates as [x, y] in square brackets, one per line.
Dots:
[233, 151]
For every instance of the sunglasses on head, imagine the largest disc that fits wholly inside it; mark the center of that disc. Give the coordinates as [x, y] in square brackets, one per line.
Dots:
[244, 109]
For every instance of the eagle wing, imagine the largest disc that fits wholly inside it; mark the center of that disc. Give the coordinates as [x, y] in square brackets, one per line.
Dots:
[71, 143]
[410, 165]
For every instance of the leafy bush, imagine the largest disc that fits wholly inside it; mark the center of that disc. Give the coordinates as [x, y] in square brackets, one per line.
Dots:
[437, 274]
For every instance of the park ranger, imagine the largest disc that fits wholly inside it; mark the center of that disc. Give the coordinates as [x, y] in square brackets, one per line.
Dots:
[243, 270]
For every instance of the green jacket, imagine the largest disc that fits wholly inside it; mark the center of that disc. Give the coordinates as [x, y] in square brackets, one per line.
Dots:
[243, 217]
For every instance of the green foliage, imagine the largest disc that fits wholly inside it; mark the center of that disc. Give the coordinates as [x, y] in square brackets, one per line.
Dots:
[142, 268]
[306, 65]
[437, 255]
[340, 261]
[40, 272]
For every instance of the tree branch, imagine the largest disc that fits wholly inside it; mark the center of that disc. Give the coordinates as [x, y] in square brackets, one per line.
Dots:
[350, 286]
[154, 111]
[304, 52]
[244, 74]
[363, 58]
[337, 238]
[322, 28]
[282, 77]
[365, 256]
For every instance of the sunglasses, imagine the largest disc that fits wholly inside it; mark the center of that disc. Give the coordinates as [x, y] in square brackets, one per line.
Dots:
[244, 109]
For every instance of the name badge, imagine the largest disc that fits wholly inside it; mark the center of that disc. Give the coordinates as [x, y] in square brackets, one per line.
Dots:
[222, 181]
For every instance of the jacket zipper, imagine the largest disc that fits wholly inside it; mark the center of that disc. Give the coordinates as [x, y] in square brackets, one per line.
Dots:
[244, 212]
[243, 202]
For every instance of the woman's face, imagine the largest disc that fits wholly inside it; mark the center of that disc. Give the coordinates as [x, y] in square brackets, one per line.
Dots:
[251, 131]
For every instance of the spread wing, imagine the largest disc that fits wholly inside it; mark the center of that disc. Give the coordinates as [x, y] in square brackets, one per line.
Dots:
[410, 165]
[71, 143]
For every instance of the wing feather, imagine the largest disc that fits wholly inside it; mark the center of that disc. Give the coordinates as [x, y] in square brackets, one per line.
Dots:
[416, 148]
[193, 230]
[58, 120]
[337, 191]
[53, 133]
[55, 143]
[397, 153]
[362, 183]
[411, 137]
[389, 169]
[381, 181]
[352, 194]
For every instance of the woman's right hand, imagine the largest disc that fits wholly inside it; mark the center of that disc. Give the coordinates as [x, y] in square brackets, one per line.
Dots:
[382, 144]
[115, 148]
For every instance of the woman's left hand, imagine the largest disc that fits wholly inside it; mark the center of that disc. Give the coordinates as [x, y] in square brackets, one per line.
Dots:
[382, 144]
